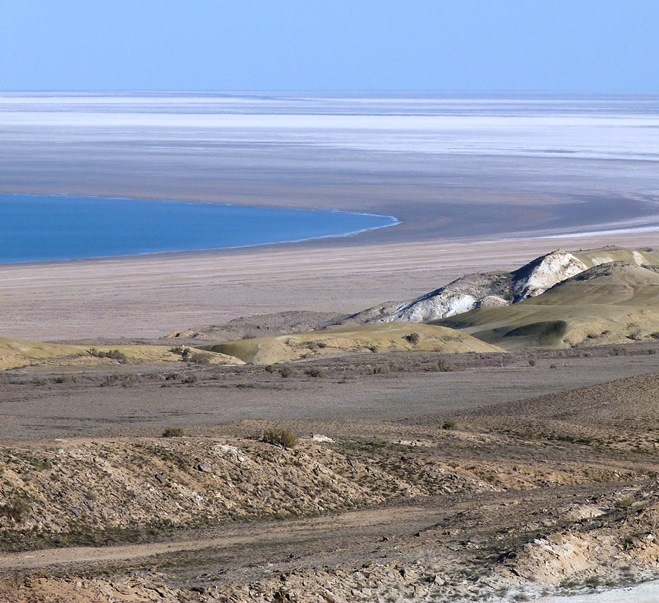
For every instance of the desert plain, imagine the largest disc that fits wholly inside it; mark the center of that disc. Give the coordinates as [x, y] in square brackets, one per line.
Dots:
[141, 462]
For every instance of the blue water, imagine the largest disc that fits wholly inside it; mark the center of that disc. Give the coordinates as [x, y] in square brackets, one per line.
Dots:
[53, 228]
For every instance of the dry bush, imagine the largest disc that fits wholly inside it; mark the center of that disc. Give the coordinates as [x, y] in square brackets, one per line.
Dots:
[315, 371]
[413, 338]
[283, 437]
[17, 508]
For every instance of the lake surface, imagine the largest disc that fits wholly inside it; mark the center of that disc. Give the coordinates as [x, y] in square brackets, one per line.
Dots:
[48, 228]
[466, 167]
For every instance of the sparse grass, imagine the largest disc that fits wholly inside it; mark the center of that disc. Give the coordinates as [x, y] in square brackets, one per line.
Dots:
[38, 463]
[173, 432]
[122, 380]
[283, 437]
[113, 354]
[625, 502]
[569, 583]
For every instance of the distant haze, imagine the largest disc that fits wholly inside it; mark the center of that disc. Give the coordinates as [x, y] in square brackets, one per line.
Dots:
[214, 45]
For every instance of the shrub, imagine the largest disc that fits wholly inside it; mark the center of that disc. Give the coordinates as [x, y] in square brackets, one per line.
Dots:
[173, 432]
[183, 351]
[269, 368]
[17, 508]
[380, 369]
[129, 381]
[443, 366]
[113, 354]
[449, 424]
[283, 437]
[531, 362]
[285, 371]
[199, 358]
[315, 371]
[413, 338]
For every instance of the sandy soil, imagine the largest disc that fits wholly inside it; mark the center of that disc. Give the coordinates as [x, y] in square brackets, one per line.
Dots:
[142, 400]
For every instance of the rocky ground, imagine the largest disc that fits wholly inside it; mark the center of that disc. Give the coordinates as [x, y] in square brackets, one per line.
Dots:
[512, 501]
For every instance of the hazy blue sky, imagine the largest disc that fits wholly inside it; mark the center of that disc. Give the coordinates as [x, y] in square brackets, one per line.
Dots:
[540, 45]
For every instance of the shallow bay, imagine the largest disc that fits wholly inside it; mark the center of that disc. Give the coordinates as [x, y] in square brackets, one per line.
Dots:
[51, 228]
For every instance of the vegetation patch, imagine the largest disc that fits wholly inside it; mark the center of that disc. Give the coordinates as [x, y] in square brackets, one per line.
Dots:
[283, 437]
[112, 354]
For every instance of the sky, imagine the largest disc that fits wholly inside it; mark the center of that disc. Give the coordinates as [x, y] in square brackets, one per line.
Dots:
[330, 45]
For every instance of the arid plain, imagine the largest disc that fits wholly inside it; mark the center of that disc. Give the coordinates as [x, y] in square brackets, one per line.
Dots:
[419, 472]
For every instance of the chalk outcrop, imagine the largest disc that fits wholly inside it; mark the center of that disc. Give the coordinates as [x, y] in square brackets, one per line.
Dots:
[484, 290]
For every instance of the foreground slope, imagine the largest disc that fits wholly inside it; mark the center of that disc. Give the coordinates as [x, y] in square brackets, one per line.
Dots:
[608, 304]
[507, 504]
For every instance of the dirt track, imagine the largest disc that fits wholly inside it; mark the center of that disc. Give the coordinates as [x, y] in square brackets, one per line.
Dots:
[369, 523]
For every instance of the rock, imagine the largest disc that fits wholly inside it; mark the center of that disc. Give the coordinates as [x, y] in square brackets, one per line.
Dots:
[481, 290]
[161, 478]
[203, 467]
[321, 438]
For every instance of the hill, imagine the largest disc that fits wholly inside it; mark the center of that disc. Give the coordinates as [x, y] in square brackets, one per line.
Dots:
[497, 289]
[391, 337]
[608, 304]
[16, 353]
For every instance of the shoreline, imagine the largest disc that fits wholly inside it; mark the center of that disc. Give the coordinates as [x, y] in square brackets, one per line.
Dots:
[151, 296]
[471, 194]
[422, 222]
[191, 252]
